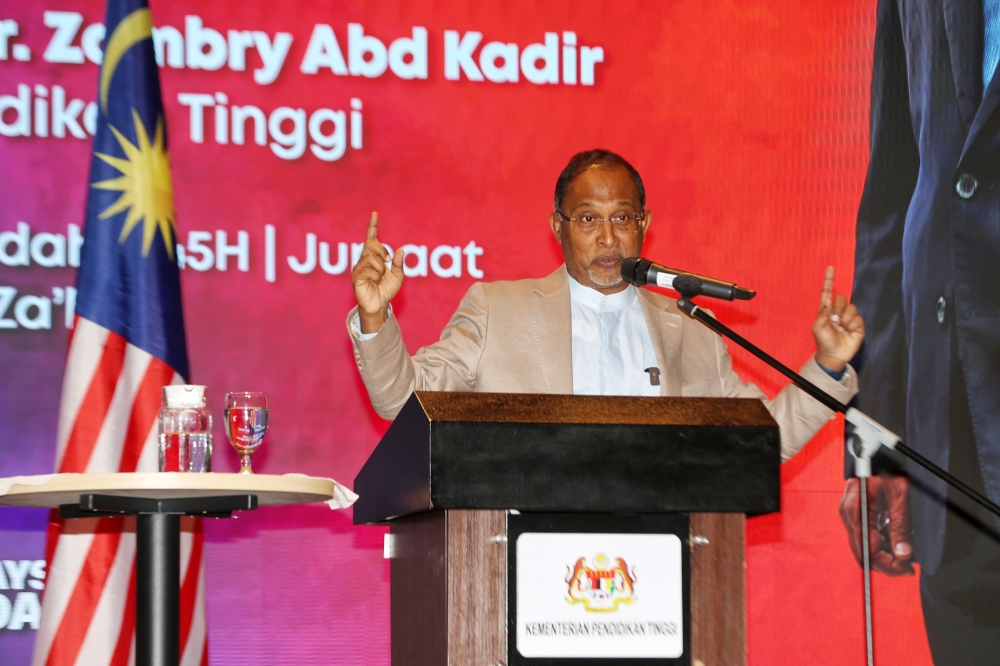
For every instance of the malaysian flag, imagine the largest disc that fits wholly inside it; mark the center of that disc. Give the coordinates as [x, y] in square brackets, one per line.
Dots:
[126, 344]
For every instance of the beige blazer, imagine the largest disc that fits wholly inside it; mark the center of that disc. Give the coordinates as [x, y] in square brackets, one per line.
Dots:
[516, 337]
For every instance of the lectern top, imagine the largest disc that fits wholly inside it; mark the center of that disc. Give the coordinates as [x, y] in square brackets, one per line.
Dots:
[563, 453]
[443, 406]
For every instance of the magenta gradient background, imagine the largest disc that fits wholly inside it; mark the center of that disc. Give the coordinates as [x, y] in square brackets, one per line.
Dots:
[748, 123]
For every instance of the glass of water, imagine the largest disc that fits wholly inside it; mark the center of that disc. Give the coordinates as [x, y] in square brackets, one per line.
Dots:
[246, 423]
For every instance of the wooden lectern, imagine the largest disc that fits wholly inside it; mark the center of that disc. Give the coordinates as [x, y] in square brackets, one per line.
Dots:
[455, 469]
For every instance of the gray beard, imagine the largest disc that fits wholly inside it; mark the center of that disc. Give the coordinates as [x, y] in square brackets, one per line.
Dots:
[613, 281]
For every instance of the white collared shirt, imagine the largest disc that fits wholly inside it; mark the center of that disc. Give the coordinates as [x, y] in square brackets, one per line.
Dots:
[602, 322]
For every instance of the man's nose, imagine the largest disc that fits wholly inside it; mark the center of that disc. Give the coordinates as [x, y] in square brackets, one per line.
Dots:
[606, 233]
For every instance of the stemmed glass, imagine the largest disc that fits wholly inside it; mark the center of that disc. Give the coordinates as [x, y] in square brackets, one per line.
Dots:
[246, 423]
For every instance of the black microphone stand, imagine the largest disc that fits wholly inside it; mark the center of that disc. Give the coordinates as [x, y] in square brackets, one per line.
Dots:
[867, 438]
[869, 434]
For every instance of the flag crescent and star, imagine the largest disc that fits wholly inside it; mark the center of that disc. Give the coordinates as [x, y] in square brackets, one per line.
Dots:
[147, 191]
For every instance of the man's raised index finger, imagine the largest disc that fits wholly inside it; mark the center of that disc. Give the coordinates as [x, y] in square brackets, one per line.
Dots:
[826, 298]
[373, 227]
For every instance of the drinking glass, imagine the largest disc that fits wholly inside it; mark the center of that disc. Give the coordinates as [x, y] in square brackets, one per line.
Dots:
[246, 423]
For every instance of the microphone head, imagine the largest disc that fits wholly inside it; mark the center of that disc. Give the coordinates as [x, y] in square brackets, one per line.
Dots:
[635, 270]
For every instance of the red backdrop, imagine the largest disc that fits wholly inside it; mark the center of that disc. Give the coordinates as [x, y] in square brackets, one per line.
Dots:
[748, 122]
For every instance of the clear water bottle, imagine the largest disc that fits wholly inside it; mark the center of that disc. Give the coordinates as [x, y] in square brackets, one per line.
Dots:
[185, 426]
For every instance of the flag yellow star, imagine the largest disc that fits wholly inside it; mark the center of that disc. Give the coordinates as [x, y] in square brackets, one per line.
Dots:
[147, 191]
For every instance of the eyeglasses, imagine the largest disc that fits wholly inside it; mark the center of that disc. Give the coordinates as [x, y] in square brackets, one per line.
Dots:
[588, 223]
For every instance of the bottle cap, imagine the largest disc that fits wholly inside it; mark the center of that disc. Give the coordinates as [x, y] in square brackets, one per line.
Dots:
[184, 395]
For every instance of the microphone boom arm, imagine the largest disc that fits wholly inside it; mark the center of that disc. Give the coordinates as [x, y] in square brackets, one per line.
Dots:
[871, 434]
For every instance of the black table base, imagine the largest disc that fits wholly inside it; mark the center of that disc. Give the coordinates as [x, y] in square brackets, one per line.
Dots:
[157, 588]
[157, 558]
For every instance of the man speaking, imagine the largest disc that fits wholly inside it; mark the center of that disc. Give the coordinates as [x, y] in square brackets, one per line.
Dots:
[583, 329]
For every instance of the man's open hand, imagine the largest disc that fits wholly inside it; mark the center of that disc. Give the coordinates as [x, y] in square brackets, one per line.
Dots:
[374, 284]
[838, 328]
[888, 523]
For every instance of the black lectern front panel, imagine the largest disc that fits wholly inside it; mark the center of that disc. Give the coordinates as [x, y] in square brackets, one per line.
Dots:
[613, 468]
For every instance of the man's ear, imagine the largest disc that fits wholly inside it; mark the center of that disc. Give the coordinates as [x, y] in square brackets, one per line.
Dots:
[644, 225]
[556, 224]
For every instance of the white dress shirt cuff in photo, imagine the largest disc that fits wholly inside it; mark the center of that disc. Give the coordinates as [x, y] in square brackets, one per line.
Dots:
[356, 327]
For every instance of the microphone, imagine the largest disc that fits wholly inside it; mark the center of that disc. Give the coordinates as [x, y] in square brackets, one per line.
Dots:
[641, 271]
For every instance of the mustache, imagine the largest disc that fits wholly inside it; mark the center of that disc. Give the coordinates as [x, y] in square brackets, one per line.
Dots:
[611, 254]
